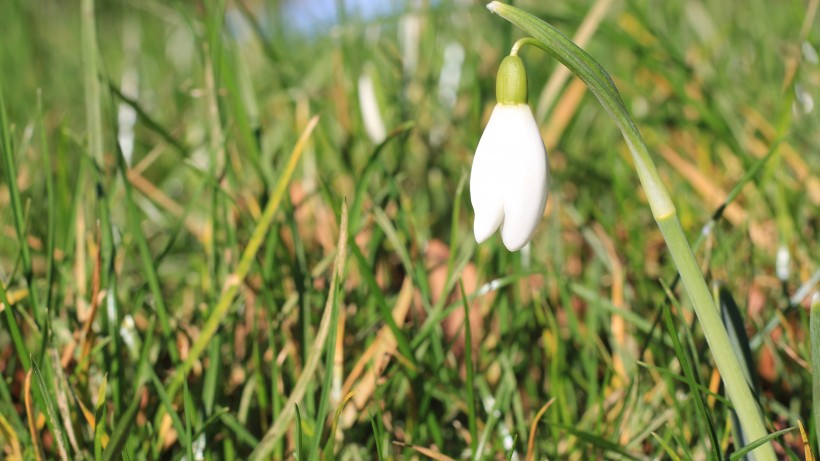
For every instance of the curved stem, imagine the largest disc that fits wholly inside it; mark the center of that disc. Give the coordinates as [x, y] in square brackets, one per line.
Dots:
[526, 41]
[663, 210]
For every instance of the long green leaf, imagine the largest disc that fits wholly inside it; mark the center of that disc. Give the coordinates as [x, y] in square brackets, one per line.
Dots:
[748, 448]
[663, 210]
[248, 256]
[814, 333]
[122, 430]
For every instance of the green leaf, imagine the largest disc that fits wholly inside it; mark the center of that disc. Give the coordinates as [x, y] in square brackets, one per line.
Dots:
[748, 448]
[122, 430]
[814, 333]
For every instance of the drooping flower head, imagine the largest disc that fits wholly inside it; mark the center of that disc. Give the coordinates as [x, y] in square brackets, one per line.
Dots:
[509, 182]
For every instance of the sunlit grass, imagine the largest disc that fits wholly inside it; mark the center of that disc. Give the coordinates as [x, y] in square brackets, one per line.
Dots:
[172, 302]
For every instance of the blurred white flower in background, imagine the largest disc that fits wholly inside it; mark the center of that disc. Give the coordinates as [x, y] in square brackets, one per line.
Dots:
[371, 115]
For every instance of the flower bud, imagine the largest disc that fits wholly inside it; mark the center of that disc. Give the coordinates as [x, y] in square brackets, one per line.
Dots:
[511, 83]
[509, 181]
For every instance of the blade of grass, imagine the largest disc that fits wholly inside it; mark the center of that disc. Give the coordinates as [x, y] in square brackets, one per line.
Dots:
[693, 382]
[814, 334]
[187, 410]
[666, 447]
[331, 441]
[31, 416]
[279, 427]
[534, 427]
[245, 263]
[17, 209]
[468, 361]
[748, 448]
[330, 352]
[14, 329]
[53, 421]
[597, 441]
[100, 434]
[242, 434]
[149, 122]
[806, 444]
[682, 379]
[733, 321]
[52, 205]
[366, 272]
[369, 168]
[122, 430]
[149, 269]
[377, 436]
[165, 400]
[428, 452]
[88, 29]
[300, 456]
[501, 402]
[511, 453]
[9, 436]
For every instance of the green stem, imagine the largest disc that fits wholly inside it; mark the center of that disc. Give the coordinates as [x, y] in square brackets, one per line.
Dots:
[663, 210]
[814, 330]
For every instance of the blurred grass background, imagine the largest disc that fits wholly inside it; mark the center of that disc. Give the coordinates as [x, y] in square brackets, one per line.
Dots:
[113, 268]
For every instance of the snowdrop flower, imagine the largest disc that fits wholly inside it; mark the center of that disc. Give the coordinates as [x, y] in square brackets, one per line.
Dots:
[371, 115]
[510, 177]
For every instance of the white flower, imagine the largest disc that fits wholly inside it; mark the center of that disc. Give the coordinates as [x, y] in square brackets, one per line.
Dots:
[509, 182]
[371, 115]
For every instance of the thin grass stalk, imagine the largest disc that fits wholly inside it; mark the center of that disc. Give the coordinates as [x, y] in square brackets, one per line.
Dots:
[18, 211]
[663, 210]
[468, 354]
[92, 84]
[269, 441]
[245, 263]
[814, 329]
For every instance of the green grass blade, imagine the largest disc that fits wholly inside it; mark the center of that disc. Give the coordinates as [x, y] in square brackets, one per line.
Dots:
[748, 448]
[384, 309]
[188, 411]
[596, 441]
[814, 333]
[735, 326]
[92, 83]
[242, 434]
[10, 170]
[666, 447]
[330, 352]
[694, 383]
[299, 453]
[53, 420]
[14, 329]
[248, 256]
[168, 406]
[377, 437]
[149, 121]
[273, 435]
[468, 360]
[372, 163]
[149, 269]
[122, 430]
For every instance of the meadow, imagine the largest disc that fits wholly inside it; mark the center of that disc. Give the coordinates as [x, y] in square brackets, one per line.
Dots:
[243, 230]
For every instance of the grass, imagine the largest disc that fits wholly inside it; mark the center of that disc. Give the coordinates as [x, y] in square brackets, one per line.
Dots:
[209, 294]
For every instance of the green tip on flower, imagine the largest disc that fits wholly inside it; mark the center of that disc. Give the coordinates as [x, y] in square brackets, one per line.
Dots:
[511, 84]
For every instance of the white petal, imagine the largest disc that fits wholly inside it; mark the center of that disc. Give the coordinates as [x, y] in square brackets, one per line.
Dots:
[527, 186]
[510, 177]
[371, 115]
[487, 179]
